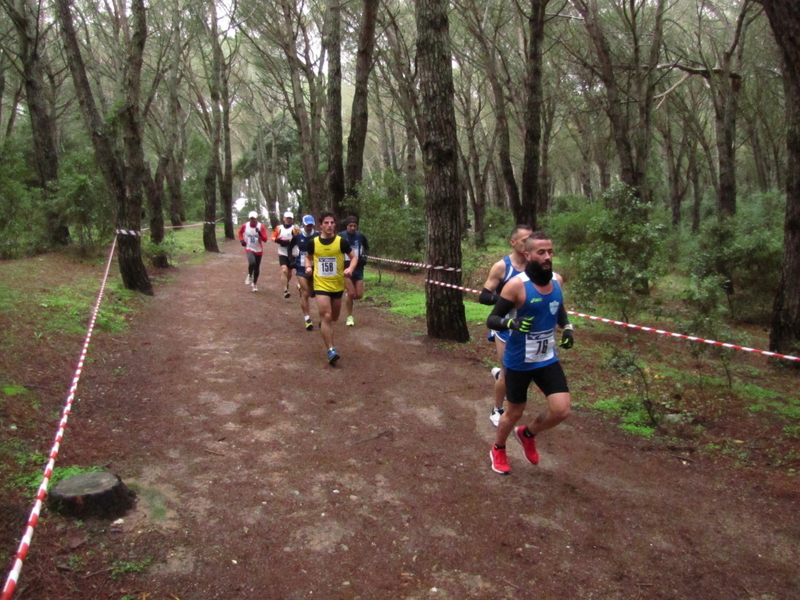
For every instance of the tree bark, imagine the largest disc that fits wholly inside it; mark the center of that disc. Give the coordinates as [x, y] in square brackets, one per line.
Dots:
[43, 124]
[132, 269]
[334, 111]
[154, 191]
[446, 318]
[226, 175]
[305, 121]
[359, 117]
[784, 17]
[533, 116]
[210, 213]
[213, 168]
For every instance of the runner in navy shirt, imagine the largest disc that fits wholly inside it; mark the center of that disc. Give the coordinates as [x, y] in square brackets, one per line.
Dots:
[354, 286]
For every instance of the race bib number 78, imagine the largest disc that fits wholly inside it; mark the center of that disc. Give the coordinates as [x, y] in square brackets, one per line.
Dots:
[539, 346]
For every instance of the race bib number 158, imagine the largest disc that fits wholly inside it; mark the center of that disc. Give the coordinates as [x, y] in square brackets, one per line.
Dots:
[327, 266]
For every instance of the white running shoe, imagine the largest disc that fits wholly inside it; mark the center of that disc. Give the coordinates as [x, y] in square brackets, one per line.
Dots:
[249, 280]
[255, 289]
[495, 416]
[496, 373]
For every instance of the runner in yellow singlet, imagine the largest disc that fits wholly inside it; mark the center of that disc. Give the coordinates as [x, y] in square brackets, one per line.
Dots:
[325, 259]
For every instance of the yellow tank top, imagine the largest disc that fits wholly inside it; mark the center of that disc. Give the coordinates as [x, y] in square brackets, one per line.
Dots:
[328, 265]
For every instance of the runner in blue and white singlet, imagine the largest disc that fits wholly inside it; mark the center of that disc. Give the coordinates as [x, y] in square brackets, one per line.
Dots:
[499, 274]
[536, 349]
[530, 354]
[510, 271]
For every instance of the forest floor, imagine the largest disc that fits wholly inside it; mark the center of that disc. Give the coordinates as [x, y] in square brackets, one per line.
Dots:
[261, 472]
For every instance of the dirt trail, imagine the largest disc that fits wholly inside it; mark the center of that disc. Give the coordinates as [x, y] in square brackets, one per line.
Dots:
[264, 473]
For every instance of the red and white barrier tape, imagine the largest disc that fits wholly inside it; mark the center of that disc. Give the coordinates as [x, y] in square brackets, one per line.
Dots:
[129, 232]
[413, 264]
[691, 338]
[22, 551]
[450, 285]
[139, 233]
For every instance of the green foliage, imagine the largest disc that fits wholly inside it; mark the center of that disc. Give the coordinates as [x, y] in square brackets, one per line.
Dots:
[630, 412]
[626, 364]
[13, 389]
[706, 310]
[620, 255]
[566, 223]
[408, 300]
[394, 229]
[124, 567]
[21, 463]
[82, 199]
[23, 225]
[32, 481]
[746, 251]
[785, 408]
[498, 223]
[168, 247]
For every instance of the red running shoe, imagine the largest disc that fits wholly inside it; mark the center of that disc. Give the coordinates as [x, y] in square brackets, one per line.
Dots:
[499, 461]
[528, 445]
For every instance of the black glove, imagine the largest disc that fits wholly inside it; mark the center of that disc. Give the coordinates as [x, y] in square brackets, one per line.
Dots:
[522, 325]
[567, 338]
[243, 242]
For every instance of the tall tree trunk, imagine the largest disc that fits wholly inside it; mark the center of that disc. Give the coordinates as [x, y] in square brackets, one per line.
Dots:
[445, 308]
[383, 133]
[533, 116]
[503, 137]
[410, 167]
[154, 191]
[210, 212]
[697, 193]
[213, 168]
[308, 140]
[226, 176]
[546, 185]
[25, 16]
[725, 121]
[334, 111]
[359, 117]
[132, 269]
[174, 166]
[784, 17]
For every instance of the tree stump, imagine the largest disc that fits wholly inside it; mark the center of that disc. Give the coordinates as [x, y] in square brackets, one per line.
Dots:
[98, 493]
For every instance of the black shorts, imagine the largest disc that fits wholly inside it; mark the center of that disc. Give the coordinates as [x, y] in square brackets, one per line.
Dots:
[550, 379]
[332, 295]
[287, 261]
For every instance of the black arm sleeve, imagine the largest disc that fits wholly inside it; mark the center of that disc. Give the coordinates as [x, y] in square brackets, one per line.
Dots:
[563, 319]
[497, 318]
[488, 298]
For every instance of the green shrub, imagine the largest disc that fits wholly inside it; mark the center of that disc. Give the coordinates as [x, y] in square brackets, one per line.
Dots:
[23, 224]
[394, 228]
[82, 198]
[621, 254]
[566, 223]
[746, 251]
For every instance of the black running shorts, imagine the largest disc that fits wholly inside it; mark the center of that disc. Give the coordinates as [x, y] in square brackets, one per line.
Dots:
[550, 379]
[287, 261]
